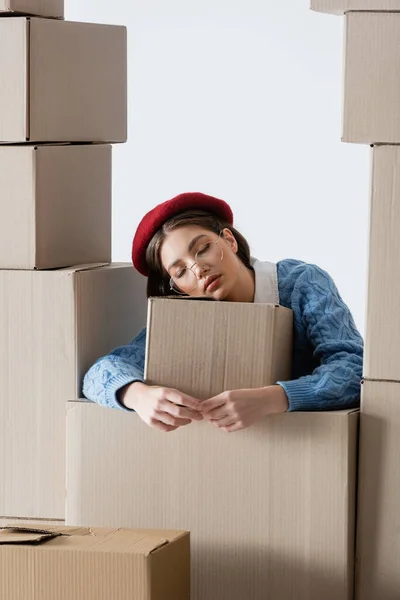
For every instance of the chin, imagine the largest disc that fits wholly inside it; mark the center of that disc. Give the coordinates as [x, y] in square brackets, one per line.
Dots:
[220, 294]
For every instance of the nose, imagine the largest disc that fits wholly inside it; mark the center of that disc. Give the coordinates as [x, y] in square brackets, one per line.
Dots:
[199, 270]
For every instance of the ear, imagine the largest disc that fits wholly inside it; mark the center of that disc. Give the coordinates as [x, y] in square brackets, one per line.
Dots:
[230, 239]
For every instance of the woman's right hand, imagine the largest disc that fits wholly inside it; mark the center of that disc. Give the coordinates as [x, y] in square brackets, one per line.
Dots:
[161, 407]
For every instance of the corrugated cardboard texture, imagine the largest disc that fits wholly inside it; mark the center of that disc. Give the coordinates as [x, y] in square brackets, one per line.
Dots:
[43, 8]
[56, 206]
[383, 317]
[234, 345]
[371, 112]
[14, 109]
[54, 325]
[95, 564]
[63, 81]
[270, 509]
[338, 7]
[378, 543]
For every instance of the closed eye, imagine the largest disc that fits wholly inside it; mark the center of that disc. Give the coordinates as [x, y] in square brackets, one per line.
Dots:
[180, 273]
[203, 249]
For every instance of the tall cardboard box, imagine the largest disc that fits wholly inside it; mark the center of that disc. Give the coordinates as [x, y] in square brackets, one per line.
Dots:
[339, 7]
[55, 203]
[42, 8]
[381, 359]
[94, 564]
[205, 347]
[270, 508]
[371, 111]
[54, 325]
[62, 81]
[378, 543]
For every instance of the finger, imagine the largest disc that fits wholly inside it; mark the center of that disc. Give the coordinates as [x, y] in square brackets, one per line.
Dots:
[224, 422]
[180, 411]
[156, 424]
[213, 403]
[168, 419]
[234, 427]
[169, 428]
[163, 427]
[218, 413]
[177, 397]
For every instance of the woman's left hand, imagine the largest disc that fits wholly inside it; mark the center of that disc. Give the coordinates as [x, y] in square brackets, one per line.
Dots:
[238, 409]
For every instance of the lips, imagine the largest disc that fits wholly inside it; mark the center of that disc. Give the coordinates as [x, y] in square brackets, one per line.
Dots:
[210, 280]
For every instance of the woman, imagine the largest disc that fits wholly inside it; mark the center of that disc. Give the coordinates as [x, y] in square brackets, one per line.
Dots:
[188, 246]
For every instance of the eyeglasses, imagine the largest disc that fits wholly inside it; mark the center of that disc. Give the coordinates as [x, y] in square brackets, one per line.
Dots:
[184, 280]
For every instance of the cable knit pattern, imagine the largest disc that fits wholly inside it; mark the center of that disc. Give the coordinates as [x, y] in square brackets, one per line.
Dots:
[328, 349]
[110, 373]
[327, 355]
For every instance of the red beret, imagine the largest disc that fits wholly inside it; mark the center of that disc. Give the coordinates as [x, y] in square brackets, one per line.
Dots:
[156, 218]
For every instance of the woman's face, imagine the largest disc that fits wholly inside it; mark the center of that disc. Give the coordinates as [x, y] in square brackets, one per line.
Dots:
[201, 263]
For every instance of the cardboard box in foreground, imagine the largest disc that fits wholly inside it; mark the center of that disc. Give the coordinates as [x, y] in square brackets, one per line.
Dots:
[62, 81]
[43, 8]
[382, 345]
[54, 325]
[94, 564]
[378, 543]
[55, 204]
[270, 508]
[371, 112]
[338, 7]
[204, 347]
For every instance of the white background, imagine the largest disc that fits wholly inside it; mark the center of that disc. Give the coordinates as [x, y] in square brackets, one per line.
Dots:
[241, 99]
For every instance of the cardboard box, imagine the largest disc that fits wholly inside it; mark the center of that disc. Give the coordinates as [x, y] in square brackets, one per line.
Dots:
[55, 203]
[88, 564]
[371, 112]
[62, 81]
[339, 7]
[378, 538]
[234, 345]
[54, 325]
[42, 8]
[381, 360]
[270, 508]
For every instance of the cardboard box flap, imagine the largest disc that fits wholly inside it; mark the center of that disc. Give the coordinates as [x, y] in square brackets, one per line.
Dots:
[207, 299]
[132, 541]
[93, 266]
[25, 535]
[198, 298]
[345, 412]
[88, 267]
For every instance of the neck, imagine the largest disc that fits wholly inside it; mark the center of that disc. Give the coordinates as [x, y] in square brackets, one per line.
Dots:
[245, 286]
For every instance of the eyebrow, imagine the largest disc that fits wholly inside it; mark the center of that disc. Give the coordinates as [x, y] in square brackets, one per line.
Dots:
[190, 248]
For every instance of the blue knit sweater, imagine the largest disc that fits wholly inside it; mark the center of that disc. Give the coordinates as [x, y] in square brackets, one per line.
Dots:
[328, 349]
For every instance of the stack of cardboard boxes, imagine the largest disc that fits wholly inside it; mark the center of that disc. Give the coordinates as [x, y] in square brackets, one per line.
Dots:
[63, 100]
[270, 509]
[372, 115]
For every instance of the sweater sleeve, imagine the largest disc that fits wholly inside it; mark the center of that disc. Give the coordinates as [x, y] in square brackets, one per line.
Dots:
[110, 373]
[320, 312]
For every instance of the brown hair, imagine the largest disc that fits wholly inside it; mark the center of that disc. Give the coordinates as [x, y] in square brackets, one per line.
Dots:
[158, 279]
